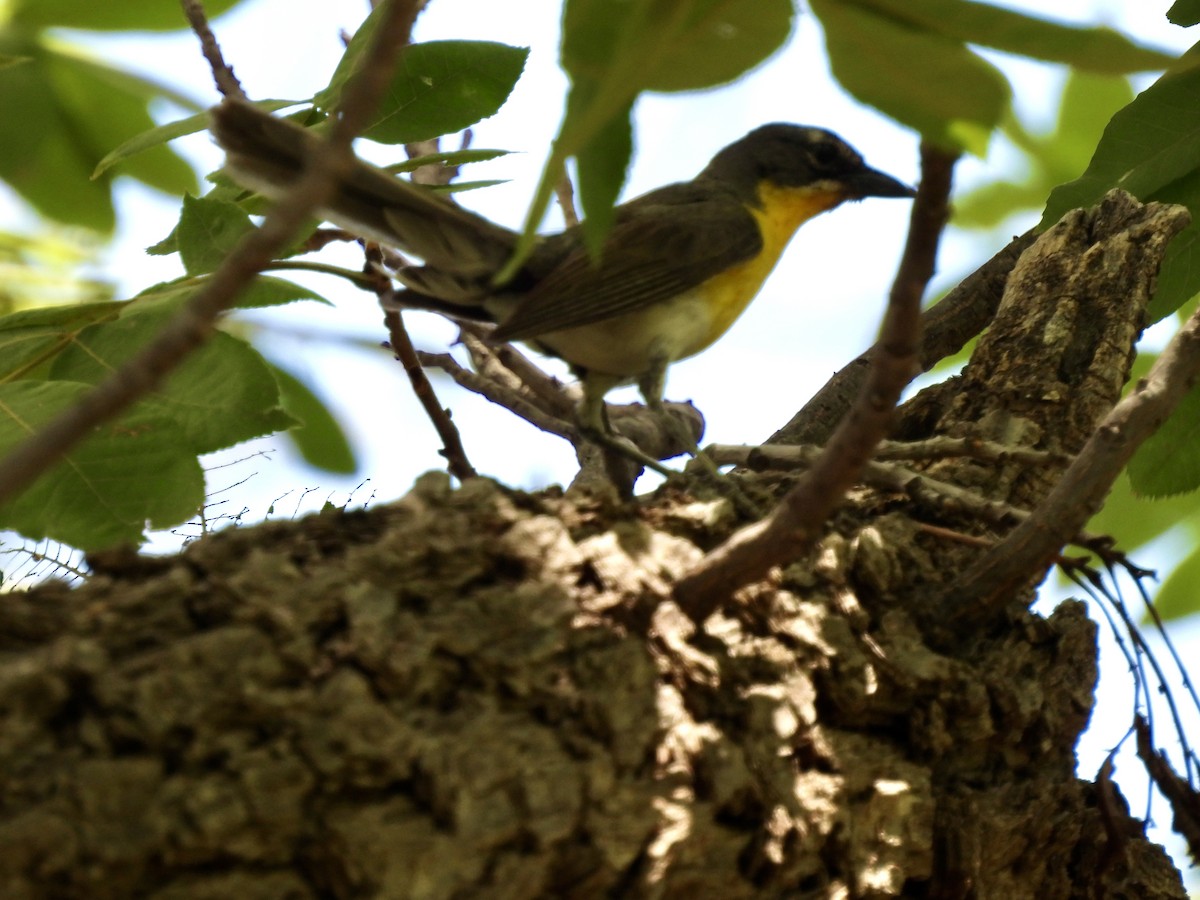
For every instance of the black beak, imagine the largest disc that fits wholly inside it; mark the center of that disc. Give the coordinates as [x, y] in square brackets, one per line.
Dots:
[873, 183]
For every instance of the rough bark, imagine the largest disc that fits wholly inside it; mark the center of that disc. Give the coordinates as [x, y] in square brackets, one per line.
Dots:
[479, 692]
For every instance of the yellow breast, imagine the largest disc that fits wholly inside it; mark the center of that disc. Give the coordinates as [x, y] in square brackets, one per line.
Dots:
[779, 213]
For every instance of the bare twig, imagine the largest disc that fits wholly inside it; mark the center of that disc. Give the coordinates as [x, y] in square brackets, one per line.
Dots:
[928, 492]
[559, 399]
[452, 447]
[226, 81]
[435, 174]
[564, 191]
[195, 322]
[1184, 801]
[796, 522]
[487, 364]
[499, 394]
[988, 585]
[782, 456]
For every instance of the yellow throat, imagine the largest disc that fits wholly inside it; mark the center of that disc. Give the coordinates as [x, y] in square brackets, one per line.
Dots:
[780, 211]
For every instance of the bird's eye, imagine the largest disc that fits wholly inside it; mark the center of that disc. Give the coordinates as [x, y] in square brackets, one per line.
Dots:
[825, 155]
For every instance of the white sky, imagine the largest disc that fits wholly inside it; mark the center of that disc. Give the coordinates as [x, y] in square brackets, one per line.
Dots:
[818, 310]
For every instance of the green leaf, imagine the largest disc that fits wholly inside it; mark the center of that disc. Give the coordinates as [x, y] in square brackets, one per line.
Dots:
[130, 472]
[319, 436]
[162, 134]
[713, 42]
[153, 137]
[126, 15]
[106, 107]
[440, 87]
[264, 291]
[1184, 12]
[601, 167]
[449, 158]
[891, 66]
[226, 192]
[1088, 102]
[1151, 148]
[208, 230]
[222, 394]
[30, 339]
[1136, 520]
[1179, 596]
[1092, 49]
[994, 202]
[1149, 144]
[267, 291]
[40, 156]
[1169, 462]
[59, 115]
[457, 187]
[667, 45]
[1179, 275]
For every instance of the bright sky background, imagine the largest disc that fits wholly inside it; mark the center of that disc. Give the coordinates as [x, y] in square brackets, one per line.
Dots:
[818, 311]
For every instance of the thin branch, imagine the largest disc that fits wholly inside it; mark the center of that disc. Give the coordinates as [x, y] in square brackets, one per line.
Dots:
[796, 523]
[785, 456]
[486, 363]
[452, 448]
[191, 327]
[1182, 797]
[222, 72]
[364, 280]
[499, 394]
[925, 491]
[435, 174]
[564, 192]
[558, 398]
[323, 237]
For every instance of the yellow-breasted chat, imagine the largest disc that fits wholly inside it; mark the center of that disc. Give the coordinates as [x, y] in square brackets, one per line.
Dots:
[680, 264]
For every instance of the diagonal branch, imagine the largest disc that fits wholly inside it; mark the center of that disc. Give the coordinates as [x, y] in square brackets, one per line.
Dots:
[226, 81]
[401, 344]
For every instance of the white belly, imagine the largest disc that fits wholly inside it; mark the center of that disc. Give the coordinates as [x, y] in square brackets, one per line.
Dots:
[626, 345]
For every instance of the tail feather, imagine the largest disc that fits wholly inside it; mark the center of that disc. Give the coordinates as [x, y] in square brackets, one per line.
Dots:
[448, 287]
[463, 312]
[267, 154]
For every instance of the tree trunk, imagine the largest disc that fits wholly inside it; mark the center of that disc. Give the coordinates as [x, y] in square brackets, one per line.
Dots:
[484, 693]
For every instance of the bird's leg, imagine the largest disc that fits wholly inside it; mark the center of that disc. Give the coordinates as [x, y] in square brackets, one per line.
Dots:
[652, 384]
[592, 417]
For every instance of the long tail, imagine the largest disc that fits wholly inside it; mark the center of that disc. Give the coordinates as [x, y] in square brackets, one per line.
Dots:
[266, 154]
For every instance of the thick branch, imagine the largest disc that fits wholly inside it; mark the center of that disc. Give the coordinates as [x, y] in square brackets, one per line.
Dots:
[989, 584]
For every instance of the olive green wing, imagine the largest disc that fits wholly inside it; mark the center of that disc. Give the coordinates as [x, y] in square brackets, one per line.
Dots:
[661, 245]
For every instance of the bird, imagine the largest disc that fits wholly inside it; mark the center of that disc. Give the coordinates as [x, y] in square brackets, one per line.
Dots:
[677, 267]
